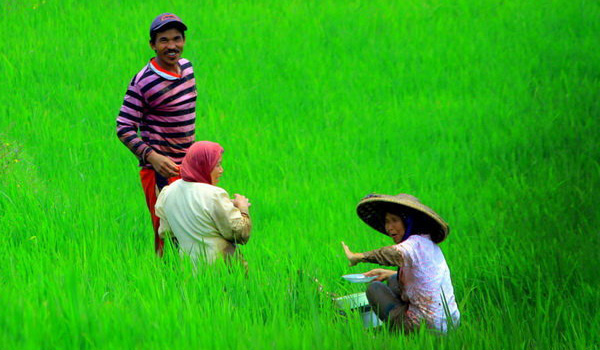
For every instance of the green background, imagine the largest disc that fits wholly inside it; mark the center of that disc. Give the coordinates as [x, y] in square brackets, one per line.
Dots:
[485, 110]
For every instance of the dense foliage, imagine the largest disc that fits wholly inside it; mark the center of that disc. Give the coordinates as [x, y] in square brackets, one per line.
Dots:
[486, 110]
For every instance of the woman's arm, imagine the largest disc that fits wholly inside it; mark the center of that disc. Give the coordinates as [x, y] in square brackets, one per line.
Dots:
[387, 256]
[241, 233]
[380, 274]
[241, 229]
[233, 223]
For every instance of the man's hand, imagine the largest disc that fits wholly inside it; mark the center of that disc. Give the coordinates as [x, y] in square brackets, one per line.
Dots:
[241, 202]
[353, 258]
[381, 274]
[163, 165]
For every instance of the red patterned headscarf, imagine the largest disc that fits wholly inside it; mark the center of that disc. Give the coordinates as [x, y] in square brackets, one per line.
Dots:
[200, 161]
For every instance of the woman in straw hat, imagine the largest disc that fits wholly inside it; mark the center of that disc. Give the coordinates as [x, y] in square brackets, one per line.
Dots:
[421, 290]
[204, 221]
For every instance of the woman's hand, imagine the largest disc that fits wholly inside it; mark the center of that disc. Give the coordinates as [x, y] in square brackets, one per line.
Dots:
[241, 202]
[380, 274]
[354, 258]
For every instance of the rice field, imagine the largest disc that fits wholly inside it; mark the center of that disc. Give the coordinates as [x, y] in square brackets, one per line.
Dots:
[488, 111]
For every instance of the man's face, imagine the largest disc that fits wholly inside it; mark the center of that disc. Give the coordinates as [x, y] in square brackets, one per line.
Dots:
[168, 47]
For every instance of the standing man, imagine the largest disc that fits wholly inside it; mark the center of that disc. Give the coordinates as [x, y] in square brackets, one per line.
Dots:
[160, 104]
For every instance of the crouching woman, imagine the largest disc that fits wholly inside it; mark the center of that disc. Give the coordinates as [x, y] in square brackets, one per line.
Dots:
[421, 290]
[199, 216]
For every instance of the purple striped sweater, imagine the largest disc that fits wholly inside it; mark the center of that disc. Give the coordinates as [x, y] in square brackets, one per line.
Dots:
[162, 107]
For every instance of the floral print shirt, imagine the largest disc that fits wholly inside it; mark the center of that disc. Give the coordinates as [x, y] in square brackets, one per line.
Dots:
[425, 281]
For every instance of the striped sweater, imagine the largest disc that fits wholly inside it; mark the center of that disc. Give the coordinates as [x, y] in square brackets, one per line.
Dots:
[162, 107]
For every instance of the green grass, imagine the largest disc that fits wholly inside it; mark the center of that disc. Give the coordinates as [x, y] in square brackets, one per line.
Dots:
[486, 110]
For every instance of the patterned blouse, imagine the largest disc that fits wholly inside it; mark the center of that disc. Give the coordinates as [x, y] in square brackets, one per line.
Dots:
[424, 279]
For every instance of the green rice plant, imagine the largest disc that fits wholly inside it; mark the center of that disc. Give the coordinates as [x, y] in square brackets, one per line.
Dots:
[485, 110]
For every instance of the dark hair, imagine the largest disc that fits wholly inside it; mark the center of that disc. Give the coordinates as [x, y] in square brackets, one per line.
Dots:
[171, 25]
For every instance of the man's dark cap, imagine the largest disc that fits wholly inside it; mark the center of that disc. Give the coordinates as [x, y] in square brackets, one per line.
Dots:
[161, 20]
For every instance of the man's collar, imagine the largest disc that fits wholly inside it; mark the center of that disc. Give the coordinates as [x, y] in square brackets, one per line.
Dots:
[163, 72]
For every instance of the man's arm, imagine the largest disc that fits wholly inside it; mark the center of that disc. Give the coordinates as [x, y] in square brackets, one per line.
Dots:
[128, 121]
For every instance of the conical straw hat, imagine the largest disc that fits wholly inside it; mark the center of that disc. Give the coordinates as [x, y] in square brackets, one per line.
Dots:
[372, 209]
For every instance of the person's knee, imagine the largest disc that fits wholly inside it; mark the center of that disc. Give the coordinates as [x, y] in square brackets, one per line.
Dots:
[394, 284]
[373, 290]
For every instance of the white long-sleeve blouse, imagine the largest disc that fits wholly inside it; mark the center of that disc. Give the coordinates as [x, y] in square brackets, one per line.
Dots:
[203, 219]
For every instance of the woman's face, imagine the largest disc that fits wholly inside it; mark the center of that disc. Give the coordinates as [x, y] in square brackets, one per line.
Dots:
[394, 226]
[216, 173]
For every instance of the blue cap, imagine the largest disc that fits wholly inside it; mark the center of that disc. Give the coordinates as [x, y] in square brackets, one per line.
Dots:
[163, 19]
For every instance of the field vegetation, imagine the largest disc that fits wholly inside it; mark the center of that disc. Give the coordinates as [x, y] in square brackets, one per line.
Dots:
[486, 110]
